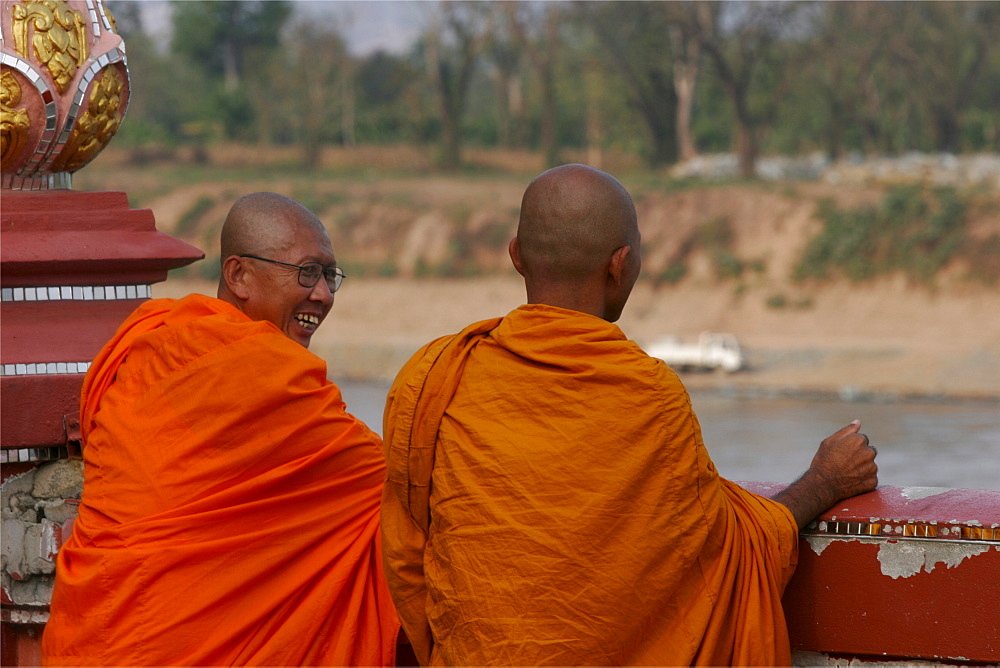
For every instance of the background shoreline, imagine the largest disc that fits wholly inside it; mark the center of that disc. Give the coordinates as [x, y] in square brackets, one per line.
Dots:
[377, 324]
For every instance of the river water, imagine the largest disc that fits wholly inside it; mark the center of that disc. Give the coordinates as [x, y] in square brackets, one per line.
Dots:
[923, 443]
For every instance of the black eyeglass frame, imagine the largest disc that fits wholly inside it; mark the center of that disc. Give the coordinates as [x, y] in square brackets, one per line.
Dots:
[329, 271]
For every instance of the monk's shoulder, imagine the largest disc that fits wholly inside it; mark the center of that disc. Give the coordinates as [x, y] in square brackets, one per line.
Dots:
[220, 342]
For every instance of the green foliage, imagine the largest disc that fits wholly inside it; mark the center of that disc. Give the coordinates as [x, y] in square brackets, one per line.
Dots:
[984, 260]
[387, 269]
[674, 273]
[777, 301]
[717, 233]
[906, 233]
[317, 201]
[878, 78]
[727, 265]
[716, 237]
[189, 220]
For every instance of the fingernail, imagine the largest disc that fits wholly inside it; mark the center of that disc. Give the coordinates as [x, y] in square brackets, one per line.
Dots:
[855, 421]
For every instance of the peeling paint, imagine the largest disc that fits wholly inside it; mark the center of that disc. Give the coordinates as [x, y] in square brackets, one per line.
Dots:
[805, 658]
[917, 493]
[820, 543]
[902, 560]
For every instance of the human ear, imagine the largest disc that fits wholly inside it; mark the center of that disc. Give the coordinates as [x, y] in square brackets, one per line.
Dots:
[616, 268]
[235, 275]
[514, 248]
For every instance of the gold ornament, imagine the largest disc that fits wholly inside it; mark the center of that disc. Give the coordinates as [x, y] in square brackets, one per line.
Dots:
[14, 122]
[59, 39]
[97, 125]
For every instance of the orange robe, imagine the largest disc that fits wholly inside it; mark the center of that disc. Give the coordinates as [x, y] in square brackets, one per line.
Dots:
[230, 504]
[550, 501]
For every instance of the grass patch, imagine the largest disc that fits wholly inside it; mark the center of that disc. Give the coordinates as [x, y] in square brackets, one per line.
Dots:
[189, 220]
[913, 230]
[984, 260]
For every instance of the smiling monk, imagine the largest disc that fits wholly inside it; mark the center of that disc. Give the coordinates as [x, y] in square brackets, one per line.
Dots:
[230, 503]
[550, 500]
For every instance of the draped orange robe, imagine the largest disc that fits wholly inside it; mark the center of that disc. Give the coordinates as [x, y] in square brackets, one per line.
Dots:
[550, 501]
[230, 505]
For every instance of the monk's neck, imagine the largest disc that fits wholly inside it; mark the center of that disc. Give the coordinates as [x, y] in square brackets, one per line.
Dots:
[580, 300]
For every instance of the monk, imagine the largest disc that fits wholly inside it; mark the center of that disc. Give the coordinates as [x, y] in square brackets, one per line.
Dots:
[549, 498]
[230, 502]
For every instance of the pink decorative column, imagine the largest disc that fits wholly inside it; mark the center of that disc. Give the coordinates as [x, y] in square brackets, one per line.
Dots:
[73, 264]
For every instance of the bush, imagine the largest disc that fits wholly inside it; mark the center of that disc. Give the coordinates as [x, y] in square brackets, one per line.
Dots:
[188, 222]
[906, 233]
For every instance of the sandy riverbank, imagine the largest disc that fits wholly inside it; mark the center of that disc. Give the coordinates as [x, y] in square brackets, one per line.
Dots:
[886, 340]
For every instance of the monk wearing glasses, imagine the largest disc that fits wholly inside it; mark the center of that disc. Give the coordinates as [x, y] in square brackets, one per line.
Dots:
[549, 498]
[230, 502]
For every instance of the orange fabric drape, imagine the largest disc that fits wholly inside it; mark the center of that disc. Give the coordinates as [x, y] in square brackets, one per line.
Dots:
[549, 500]
[230, 505]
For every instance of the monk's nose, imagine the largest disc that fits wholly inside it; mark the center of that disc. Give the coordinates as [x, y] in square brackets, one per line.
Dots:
[322, 293]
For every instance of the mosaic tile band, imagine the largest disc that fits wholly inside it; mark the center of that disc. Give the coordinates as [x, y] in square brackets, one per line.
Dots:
[16, 455]
[76, 293]
[43, 368]
[903, 530]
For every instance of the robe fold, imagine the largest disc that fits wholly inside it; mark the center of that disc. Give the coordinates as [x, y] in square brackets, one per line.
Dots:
[549, 500]
[230, 505]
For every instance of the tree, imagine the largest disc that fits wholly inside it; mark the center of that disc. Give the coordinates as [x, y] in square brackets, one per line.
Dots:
[504, 52]
[452, 51]
[542, 50]
[392, 99]
[219, 38]
[688, 21]
[318, 89]
[741, 39]
[945, 52]
[636, 35]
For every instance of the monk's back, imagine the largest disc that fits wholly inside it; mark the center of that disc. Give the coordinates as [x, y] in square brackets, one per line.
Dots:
[563, 498]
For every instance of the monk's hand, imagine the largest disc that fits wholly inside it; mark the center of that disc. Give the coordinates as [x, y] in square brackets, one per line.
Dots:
[846, 461]
[843, 466]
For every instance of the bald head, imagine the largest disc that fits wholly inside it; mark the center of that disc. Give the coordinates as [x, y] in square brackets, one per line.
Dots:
[575, 220]
[262, 223]
[266, 240]
[572, 218]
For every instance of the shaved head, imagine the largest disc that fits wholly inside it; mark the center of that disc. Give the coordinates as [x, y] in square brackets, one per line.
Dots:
[577, 242]
[266, 240]
[572, 218]
[261, 223]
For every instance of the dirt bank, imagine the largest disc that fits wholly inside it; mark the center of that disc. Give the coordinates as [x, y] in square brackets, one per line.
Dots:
[715, 258]
[888, 339]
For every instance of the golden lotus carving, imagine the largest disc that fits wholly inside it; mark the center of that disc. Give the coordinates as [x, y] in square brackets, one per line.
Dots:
[97, 125]
[59, 39]
[65, 89]
[14, 122]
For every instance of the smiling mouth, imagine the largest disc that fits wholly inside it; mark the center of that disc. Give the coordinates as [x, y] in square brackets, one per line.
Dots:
[308, 322]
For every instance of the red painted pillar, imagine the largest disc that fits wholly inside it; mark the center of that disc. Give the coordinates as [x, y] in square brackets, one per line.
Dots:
[73, 265]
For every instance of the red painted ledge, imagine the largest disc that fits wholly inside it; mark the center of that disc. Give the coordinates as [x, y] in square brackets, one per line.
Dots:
[899, 574]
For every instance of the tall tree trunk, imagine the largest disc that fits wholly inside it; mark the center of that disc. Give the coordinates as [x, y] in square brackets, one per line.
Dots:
[550, 146]
[348, 103]
[662, 136]
[543, 55]
[687, 53]
[746, 133]
[685, 77]
[503, 109]
[595, 138]
[746, 149]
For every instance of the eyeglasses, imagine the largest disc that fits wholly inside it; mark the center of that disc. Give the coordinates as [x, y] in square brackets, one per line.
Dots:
[310, 272]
